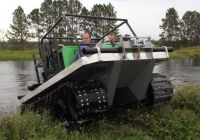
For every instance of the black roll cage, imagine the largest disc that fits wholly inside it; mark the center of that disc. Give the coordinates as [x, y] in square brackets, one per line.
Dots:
[123, 21]
[63, 18]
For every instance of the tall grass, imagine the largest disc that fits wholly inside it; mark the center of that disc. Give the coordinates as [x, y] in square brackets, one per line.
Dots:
[192, 52]
[179, 120]
[18, 54]
[30, 126]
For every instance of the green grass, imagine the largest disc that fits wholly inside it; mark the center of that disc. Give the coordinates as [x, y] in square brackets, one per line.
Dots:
[179, 120]
[193, 52]
[18, 54]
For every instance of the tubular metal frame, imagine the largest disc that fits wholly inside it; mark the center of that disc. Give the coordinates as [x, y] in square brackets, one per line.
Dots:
[50, 35]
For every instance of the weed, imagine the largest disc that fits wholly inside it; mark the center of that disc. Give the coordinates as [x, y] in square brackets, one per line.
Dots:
[178, 120]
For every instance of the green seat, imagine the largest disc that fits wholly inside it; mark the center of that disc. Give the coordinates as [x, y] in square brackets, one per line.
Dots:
[109, 45]
[69, 53]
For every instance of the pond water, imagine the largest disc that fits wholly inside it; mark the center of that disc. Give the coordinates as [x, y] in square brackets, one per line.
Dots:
[15, 76]
[180, 71]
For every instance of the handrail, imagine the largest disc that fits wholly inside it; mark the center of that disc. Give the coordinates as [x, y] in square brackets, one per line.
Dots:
[96, 17]
[119, 50]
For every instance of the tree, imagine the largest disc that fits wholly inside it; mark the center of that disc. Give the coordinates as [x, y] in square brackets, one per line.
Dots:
[58, 8]
[191, 26]
[85, 23]
[47, 14]
[74, 7]
[52, 10]
[35, 21]
[58, 11]
[109, 12]
[19, 29]
[170, 27]
[102, 10]
[2, 39]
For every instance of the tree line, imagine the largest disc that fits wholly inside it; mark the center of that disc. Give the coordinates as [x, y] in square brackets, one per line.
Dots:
[32, 26]
[178, 32]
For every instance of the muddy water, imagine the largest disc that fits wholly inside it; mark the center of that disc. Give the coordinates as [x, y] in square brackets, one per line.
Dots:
[15, 76]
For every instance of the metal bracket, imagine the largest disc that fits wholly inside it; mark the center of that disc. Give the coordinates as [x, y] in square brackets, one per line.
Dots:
[123, 56]
[166, 52]
[99, 53]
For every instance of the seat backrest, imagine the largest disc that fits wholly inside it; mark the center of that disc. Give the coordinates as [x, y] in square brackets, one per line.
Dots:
[68, 54]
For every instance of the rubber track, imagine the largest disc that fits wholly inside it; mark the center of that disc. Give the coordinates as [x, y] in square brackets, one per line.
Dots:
[90, 97]
[162, 89]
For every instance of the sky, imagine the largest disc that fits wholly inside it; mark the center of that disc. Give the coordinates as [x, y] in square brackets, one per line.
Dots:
[144, 16]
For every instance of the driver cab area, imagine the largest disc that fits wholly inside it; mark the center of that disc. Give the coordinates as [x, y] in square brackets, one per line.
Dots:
[59, 51]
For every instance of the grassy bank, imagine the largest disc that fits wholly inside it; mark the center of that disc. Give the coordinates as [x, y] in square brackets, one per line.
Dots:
[179, 120]
[192, 52]
[18, 54]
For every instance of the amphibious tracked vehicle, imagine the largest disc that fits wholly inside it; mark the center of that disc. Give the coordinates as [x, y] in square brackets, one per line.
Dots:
[103, 76]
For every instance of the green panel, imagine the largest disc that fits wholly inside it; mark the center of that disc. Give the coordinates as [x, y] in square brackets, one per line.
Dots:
[109, 45]
[69, 53]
